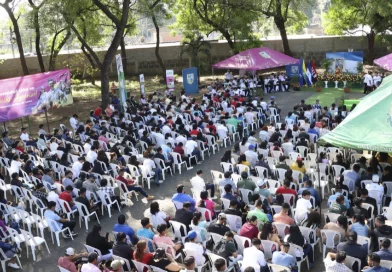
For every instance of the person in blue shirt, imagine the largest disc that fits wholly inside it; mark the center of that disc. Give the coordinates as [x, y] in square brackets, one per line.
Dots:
[374, 264]
[146, 231]
[228, 192]
[313, 130]
[122, 227]
[182, 197]
[313, 192]
[338, 192]
[384, 252]
[283, 258]
[359, 225]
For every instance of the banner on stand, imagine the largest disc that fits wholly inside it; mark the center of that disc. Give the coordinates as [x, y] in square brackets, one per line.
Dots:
[121, 79]
[170, 79]
[190, 80]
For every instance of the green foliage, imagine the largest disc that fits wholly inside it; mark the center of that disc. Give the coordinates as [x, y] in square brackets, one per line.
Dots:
[194, 46]
[325, 64]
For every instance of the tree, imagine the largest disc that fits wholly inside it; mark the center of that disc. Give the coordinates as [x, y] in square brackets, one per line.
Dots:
[194, 45]
[119, 18]
[35, 13]
[206, 16]
[371, 17]
[9, 7]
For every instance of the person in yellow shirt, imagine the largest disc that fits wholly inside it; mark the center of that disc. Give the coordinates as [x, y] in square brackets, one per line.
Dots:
[242, 160]
[298, 166]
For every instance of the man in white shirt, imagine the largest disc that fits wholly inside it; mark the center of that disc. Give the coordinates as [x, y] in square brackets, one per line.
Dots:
[249, 116]
[191, 148]
[92, 155]
[53, 196]
[77, 167]
[198, 183]
[196, 248]
[181, 139]
[304, 206]
[338, 264]
[24, 136]
[166, 129]
[254, 256]
[222, 131]
[152, 169]
[159, 138]
[287, 146]
[251, 154]
[73, 121]
[374, 188]
[368, 81]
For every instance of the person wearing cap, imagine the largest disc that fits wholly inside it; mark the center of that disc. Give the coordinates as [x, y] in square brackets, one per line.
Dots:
[199, 184]
[250, 229]
[197, 250]
[253, 256]
[373, 261]
[95, 239]
[190, 264]
[219, 226]
[92, 265]
[182, 197]
[384, 252]
[68, 261]
[121, 247]
[381, 230]
[121, 226]
[117, 266]
[353, 249]
[264, 192]
[246, 182]
[165, 261]
[375, 186]
[251, 154]
[53, 196]
[184, 215]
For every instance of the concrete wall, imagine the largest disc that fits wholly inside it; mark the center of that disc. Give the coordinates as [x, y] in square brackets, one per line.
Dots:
[141, 59]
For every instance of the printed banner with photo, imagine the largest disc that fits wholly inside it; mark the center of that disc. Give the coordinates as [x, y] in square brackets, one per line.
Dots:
[345, 62]
[27, 95]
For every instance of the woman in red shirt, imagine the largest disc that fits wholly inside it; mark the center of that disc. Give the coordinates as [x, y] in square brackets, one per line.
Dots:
[140, 255]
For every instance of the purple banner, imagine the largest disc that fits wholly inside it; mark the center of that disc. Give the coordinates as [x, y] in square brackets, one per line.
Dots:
[27, 95]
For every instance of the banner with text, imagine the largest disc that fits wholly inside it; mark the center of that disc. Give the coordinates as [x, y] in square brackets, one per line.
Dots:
[27, 95]
[170, 79]
[190, 80]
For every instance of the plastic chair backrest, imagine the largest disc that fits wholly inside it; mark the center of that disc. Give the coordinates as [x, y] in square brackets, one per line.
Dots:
[330, 237]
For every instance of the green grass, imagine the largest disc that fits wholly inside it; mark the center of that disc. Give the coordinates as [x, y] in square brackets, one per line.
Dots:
[328, 96]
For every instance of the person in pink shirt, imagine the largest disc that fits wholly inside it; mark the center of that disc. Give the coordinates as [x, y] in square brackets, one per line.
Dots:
[208, 204]
[163, 238]
[283, 216]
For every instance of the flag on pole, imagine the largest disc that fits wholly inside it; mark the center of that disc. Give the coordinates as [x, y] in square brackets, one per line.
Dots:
[305, 76]
[309, 74]
[300, 74]
[314, 72]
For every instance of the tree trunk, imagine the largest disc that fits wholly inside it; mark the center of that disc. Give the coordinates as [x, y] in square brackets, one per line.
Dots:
[90, 59]
[124, 56]
[157, 55]
[229, 40]
[280, 24]
[54, 52]
[371, 37]
[18, 38]
[38, 41]
[105, 86]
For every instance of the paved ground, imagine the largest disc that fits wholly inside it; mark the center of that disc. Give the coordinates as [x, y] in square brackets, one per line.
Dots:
[163, 194]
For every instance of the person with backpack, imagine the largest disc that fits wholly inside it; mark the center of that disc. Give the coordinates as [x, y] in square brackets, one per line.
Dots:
[227, 249]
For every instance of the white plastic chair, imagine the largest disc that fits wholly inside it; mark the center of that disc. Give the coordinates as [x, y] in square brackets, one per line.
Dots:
[245, 194]
[278, 268]
[227, 167]
[386, 264]
[203, 212]
[140, 267]
[272, 185]
[242, 242]
[177, 161]
[178, 205]
[268, 248]
[293, 252]
[331, 217]
[350, 261]
[84, 214]
[262, 172]
[55, 228]
[4, 260]
[176, 226]
[146, 175]
[33, 242]
[107, 202]
[5, 187]
[364, 240]
[126, 261]
[234, 222]
[17, 238]
[307, 233]
[67, 209]
[281, 174]
[161, 164]
[212, 143]
[329, 240]
[91, 249]
[281, 228]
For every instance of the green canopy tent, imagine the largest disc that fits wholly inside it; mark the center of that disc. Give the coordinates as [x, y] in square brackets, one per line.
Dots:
[369, 125]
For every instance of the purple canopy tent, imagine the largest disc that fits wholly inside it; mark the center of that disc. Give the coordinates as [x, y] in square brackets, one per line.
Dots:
[256, 59]
[384, 62]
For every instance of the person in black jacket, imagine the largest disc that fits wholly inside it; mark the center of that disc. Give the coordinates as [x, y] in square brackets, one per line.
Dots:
[381, 230]
[121, 248]
[184, 215]
[370, 200]
[94, 239]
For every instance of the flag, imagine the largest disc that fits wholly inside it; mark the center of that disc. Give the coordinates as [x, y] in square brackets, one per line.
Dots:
[309, 74]
[314, 72]
[300, 74]
[305, 77]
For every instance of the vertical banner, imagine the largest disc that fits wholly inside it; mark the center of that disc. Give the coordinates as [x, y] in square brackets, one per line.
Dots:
[141, 80]
[190, 80]
[27, 95]
[121, 80]
[170, 79]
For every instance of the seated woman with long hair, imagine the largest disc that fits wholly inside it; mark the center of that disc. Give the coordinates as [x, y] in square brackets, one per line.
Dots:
[268, 232]
[295, 237]
[140, 253]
